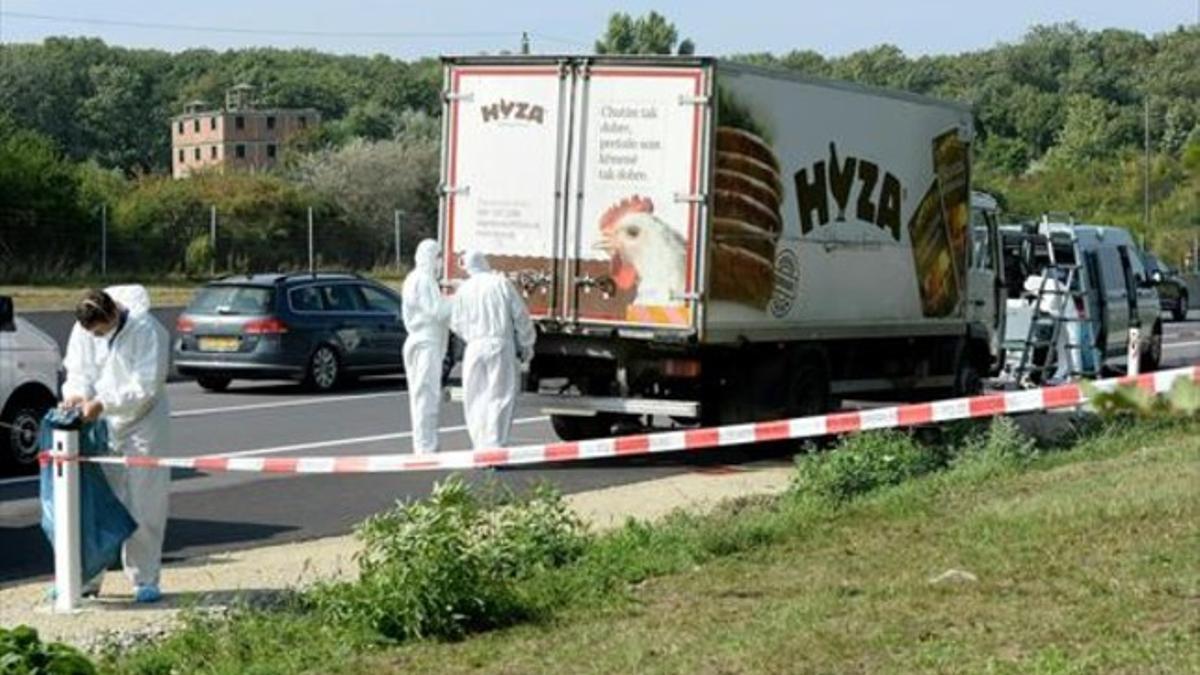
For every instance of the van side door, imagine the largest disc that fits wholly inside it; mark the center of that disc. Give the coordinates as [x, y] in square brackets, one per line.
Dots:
[1145, 305]
[1114, 289]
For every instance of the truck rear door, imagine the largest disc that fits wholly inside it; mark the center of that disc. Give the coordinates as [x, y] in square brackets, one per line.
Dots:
[637, 185]
[583, 181]
[503, 169]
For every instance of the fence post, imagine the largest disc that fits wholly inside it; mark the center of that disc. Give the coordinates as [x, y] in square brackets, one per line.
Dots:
[310, 241]
[1134, 356]
[212, 237]
[104, 240]
[68, 564]
[396, 218]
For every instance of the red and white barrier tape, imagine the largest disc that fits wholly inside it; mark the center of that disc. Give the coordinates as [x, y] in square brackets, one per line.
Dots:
[987, 405]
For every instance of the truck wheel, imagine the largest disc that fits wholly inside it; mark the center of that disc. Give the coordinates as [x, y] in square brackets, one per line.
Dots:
[1152, 352]
[575, 428]
[1180, 312]
[967, 381]
[810, 391]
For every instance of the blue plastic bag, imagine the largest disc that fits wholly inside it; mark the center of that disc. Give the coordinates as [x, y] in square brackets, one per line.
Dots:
[104, 522]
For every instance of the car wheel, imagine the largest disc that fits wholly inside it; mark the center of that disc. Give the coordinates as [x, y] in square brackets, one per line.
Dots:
[19, 436]
[213, 382]
[1181, 308]
[324, 369]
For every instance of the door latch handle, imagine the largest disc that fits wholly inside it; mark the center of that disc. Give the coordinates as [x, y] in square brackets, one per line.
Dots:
[604, 284]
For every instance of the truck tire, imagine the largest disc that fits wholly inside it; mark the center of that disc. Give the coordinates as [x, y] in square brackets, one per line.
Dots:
[810, 390]
[574, 428]
[967, 380]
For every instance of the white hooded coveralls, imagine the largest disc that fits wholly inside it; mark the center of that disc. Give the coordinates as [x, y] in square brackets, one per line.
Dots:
[490, 316]
[426, 318]
[127, 372]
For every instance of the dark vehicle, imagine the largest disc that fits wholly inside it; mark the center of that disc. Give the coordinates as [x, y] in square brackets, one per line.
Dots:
[1172, 289]
[320, 329]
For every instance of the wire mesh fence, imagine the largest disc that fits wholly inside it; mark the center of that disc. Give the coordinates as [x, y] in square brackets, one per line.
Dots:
[198, 243]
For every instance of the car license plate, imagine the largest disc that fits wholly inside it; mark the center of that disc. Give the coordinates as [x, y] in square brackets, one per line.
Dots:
[219, 344]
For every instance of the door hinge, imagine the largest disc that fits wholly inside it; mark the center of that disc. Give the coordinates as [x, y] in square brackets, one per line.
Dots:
[460, 96]
[686, 99]
[694, 198]
[460, 190]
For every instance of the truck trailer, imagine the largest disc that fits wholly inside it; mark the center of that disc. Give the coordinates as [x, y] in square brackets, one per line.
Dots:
[717, 243]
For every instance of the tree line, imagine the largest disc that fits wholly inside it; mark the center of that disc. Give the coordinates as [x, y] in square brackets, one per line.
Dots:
[1061, 116]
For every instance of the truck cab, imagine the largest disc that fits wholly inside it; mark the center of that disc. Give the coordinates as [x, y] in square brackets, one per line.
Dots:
[29, 382]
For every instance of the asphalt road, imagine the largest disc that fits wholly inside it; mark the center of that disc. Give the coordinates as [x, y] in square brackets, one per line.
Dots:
[220, 512]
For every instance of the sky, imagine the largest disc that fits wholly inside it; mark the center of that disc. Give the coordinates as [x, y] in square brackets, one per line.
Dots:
[414, 29]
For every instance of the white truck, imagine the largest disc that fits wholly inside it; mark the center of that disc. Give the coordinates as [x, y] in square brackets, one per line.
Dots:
[714, 242]
[29, 373]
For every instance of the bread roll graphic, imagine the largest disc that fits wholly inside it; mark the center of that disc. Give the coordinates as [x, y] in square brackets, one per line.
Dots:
[746, 218]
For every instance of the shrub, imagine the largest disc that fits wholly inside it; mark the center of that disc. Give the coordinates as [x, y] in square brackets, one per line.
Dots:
[1002, 442]
[864, 462]
[23, 653]
[1183, 400]
[449, 565]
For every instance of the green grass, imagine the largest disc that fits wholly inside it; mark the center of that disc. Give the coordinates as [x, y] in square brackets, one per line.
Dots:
[1087, 558]
[1088, 561]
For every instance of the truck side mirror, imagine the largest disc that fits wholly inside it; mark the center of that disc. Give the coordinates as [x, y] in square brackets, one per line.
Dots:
[8, 322]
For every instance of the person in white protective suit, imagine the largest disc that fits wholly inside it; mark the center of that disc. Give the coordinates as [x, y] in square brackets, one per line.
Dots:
[490, 316]
[427, 319]
[116, 370]
[1058, 304]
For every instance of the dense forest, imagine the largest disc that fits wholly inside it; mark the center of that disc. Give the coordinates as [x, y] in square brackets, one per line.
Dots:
[1061, 116]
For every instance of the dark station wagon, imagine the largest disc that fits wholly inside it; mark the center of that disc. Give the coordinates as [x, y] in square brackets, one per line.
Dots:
[320, 329]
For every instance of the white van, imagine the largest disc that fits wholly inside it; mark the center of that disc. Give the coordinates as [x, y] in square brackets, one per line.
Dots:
[29, 383]
[1112, 291]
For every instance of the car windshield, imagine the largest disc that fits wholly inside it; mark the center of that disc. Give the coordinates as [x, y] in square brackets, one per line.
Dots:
[232, 299]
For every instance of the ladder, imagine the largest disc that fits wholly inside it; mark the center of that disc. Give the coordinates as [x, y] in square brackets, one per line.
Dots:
[1062, 292]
